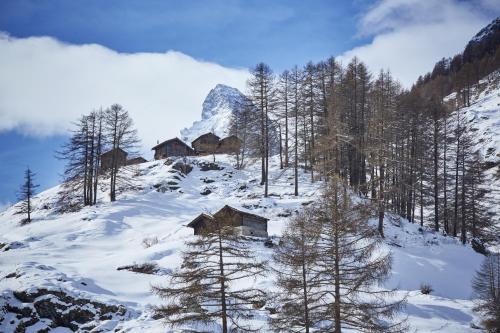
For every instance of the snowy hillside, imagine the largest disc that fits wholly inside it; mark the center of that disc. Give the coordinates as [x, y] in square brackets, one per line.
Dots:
[77, 266]
[218, 107]
[483, 116]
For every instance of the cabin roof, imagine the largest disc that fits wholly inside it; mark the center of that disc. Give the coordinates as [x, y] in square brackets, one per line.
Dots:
[110, 151]
[193, 223]
[231, 137]
[168, 141]
[242, 212]
[204, 135]
[209, 217]
[138, 158]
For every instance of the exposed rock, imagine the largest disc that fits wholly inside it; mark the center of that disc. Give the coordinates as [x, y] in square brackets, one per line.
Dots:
[180, 166]
[207, 191]
[209, 166]
[478, 246]
[57, 308]
[285, 213]
[269, 243]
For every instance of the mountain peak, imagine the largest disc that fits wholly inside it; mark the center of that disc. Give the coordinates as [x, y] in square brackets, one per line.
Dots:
[221, 96]
[218, 107]
[483, 43]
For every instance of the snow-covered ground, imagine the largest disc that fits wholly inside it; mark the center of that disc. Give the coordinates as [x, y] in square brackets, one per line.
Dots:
[79, 253]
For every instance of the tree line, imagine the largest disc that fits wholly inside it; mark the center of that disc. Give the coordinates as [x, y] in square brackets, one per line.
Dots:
[408, 151]
[98, 132]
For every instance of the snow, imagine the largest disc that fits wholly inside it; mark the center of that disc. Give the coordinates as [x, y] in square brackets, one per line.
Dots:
[80, 252]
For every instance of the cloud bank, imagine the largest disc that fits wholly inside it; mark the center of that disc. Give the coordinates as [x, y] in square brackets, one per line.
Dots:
[410, 36]
[46, 84]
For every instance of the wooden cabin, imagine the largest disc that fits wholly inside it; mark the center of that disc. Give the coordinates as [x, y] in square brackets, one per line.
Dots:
[244, 223]
[206, 144]
[107, 158]
[172, 147]
[136, 160]
[229, 145]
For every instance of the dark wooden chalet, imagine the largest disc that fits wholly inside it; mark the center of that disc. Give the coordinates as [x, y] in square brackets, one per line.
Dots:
[206, 144]
[172, 147]
[244, 223]
[107, 158]
[136, 160]
[229, 145]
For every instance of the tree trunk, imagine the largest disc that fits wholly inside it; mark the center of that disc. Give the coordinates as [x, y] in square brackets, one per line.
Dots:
[381, 199]
[436, 179]
[222, 285]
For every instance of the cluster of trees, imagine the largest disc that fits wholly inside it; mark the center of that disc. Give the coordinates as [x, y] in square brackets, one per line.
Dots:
[486, 286]
[94, 134]
[407, 150]
[480, 57]
[328, 265]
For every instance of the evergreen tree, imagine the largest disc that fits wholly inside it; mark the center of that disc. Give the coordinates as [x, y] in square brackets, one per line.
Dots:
[206, 288]
[350, 265]
[329, 267]
[299, 293]
[26, 193]
[261, 91]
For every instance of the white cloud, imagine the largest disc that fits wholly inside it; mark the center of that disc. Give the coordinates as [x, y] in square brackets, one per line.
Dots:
[409, 36]
[46, 84]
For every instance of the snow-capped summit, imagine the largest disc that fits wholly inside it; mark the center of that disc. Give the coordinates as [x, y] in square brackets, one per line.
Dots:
[484, 43]
[487, 31]
[218, 107]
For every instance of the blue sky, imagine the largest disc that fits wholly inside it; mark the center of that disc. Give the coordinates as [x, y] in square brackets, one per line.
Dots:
[232, 33]
[172, 52]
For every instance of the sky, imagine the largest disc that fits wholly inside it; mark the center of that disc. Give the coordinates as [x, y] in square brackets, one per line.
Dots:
[160, 58]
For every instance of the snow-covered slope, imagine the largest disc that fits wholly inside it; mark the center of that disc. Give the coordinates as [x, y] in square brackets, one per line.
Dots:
[483, 117]
[71, 260]
[218, 107]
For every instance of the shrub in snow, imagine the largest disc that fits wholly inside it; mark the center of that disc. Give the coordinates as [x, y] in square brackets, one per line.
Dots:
[478, 246]
[149, 241]
[146, 268]
[426, 288]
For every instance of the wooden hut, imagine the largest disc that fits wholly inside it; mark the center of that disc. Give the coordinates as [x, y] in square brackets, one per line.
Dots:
[107, 158]
[229, 145]
[244, 223]
[172, 147]
[205, 144]
[136, 160]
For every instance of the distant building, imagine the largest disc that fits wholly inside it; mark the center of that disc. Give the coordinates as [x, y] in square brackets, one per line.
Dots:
[205, 144]
[136, 160]
[229, 145]
[244, 223]
[107, 158]
[172, 147]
